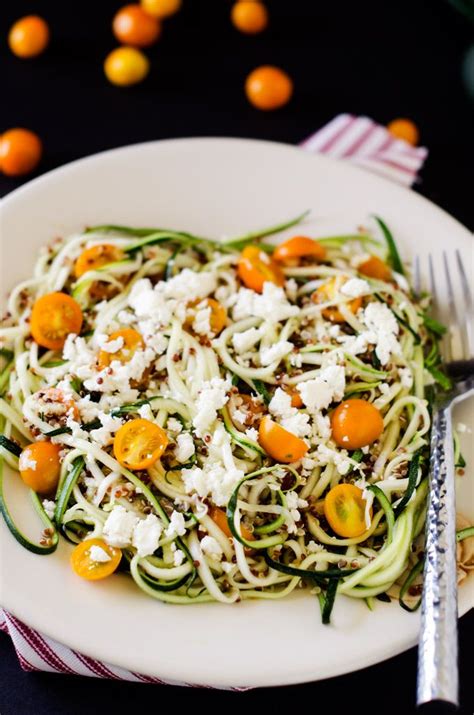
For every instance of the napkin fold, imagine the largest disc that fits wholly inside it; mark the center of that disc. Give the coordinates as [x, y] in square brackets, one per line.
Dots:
[356, 139]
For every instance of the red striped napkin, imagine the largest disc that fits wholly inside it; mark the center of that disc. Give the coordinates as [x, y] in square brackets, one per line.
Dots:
[356, 139]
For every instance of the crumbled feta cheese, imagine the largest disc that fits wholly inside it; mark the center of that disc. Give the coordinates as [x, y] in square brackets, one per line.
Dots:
[355, 287]
[202, 321]
[173, 425]
[176, 526]
[49, 507]
[340, 459]
[290, 418]
[296, 359]
[401, 281]
[211, 547]
[212, 396]
[275, 352]
[271, 304]
[119, 526]
[239, 416]
[110, 425]
[189, 285]
[109, 346]
[406, 377]
[245, 341]
[327, 387]
[252, 434]
[178, 557]
[147, 302]
[280, 404]
[383, 329]
[294, 503]
[98, 554]
[146, 412]
[297, 424]
[185, 447]
[146, 535]
[314, 548]
[27, 462]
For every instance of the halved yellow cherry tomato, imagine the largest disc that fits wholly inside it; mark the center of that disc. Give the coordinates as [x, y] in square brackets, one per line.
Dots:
[328, 291]
[356, 423]
[344, 509]
[299, 247]
[219, 517]
[139, 443]
[218, 316]
[53, 318]
[374, 267]
[280, 444]
[97, 256]
[40, 466]
[404, 129]
[54, 396]
[85, 567]
[255, 267]
[132, 341]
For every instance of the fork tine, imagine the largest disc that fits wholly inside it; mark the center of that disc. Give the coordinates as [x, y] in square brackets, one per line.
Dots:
[468, 341]
[452, 313]
[417, 277]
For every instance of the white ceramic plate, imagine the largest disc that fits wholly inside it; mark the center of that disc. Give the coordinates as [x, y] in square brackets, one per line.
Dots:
[212, 187]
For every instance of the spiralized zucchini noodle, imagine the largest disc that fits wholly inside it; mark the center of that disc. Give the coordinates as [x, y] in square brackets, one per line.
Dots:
[230, 424]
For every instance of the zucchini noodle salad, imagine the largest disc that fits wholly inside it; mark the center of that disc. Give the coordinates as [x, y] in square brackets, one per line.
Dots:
[225, 420]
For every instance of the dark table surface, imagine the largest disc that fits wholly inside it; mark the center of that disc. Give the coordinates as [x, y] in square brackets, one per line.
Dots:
[380, 59]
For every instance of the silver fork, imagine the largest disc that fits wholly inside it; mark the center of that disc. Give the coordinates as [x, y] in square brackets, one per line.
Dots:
[438, 644]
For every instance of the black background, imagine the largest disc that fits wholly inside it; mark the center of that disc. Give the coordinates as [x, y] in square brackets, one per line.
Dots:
[383, 59]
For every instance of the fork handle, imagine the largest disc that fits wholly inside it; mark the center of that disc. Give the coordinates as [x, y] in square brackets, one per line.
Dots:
[438, 643]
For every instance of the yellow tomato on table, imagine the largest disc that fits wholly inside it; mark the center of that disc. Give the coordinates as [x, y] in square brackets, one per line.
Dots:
[255, 268]
[299, 247]
[53, 318]
[20, 151]
[249, 16]
[161, 8]
[29, 36]
[139, 443]
[126, 66]
[279, 443]
[356, 423]
[268, 88]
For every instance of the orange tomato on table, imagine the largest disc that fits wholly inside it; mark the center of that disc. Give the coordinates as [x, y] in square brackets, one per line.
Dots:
[20, 151]
[161, 8]
[29, 36]
[404, 129]
[374, 267]
[125, 66]
[96, 257]
[299, 247]
[135, 27]
[268, 88]
[249, 16]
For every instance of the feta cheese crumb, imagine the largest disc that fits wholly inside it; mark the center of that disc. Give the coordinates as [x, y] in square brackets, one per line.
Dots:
[406, 377]
[383, 329]
[119, 526]
[176, 526]
[49, 507]
[271, 304]
[275, 352]
[245, 341]
[211, 547]
[27, 462]
[185, 447]
[109, 346]
[178, 557]
[328, 386]
[355, 287]
[212, 396]
[98, 554]
[202, 321]
[173, 425]
[146, 535]
[252, 434]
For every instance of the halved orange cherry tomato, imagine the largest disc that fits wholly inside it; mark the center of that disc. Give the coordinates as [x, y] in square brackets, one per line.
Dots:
[132, 341]
[85, 567]
[54, 396]
[298, 247]
[97, 256]
[344, 509]
[356, 423]
[53, 318]
[139, 443]
[255, 267]
[374, 267]
[40, 466]
[281, 445]
[328, 291]
[135, 27]
[295, 395]
[220, 518]
[218, 316]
